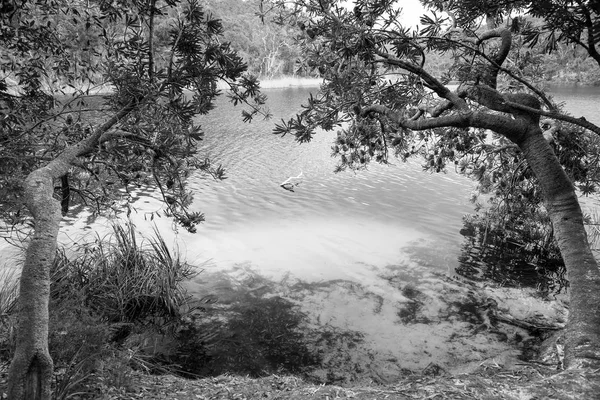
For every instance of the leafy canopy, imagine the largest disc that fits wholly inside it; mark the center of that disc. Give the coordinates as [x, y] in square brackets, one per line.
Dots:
[157, 63]
[380, 97]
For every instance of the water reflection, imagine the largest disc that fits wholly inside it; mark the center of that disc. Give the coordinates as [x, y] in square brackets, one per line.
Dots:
[332, 223]
[510, 257]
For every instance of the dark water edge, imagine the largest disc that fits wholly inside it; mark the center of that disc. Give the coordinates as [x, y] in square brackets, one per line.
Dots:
[360, 275]
[578, 100]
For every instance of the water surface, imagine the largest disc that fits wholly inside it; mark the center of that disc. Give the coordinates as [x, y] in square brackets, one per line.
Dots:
[373, 248]
[579, 101]
[332, 224]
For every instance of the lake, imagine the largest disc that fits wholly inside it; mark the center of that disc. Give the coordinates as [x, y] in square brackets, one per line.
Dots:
[376, 243]
[332, 225]
[369, 252]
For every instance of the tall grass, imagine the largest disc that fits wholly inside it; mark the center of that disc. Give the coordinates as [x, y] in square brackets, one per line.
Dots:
[592, 225]
[116, 288]
[8, 291]
[125, 278]
[8, 300]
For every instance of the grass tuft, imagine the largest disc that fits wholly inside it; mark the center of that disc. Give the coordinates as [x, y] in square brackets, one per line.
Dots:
[118, 292]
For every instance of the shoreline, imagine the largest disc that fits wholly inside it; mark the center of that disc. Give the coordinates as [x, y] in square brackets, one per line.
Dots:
[276, 83]
[283, 83]
[287, 82]
[272, 83]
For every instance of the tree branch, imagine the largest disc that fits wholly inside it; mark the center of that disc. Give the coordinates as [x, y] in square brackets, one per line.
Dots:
[151, 41]
[172, 55]
[87, 145]
[508, 72]
[513, 129]
[504, 34]
[582, 122]
[439, 88]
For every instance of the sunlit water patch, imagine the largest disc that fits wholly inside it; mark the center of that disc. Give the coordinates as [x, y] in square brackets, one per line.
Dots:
[332, 223]
[367, 252]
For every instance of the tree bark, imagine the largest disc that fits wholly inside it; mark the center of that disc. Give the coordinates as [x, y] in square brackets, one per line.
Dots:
[519, 122]
[31, 369]
[30, 373]
[582, 336]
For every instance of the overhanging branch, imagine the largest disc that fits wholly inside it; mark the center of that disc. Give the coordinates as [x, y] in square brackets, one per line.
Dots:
[507, 71]
[582, 122]
[455, 120]
[433, 83]
[512, 129]
[491, 77]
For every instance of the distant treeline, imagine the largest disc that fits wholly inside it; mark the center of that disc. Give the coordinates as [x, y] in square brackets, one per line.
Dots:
[270, 49]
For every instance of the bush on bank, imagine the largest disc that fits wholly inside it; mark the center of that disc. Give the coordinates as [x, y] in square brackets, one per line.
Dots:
[118, 305]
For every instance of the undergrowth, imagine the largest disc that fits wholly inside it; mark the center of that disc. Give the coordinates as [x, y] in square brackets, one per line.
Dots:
[118, 305]
[110, 303]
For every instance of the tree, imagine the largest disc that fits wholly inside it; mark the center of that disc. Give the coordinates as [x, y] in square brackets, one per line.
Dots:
[59, 149]
[268, 47]
[572, 22]
[383, 101]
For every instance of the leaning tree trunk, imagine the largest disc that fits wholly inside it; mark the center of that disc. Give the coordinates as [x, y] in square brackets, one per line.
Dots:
[31, 369]
[582, 337]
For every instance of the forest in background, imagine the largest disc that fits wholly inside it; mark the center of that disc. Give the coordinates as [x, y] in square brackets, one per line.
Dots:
[271, 50]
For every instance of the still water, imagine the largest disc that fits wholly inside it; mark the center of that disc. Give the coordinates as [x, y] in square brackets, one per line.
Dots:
[373, 250]
[332, 225]
[579, 101]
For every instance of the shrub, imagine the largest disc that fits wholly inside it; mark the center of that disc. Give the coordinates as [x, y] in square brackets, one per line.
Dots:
[8, 296]
[114, 289]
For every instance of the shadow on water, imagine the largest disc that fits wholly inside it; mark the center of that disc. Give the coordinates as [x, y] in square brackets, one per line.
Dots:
[367, 295]
[511, 256]
[339, 331]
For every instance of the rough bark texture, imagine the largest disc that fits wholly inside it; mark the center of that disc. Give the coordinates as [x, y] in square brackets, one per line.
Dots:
[582, 339]
[31, 368]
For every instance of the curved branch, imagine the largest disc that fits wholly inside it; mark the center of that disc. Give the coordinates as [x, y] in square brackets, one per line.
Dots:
[88, 144]
[491, 78]
[438, 87]
[455, 120]
[508, 72]
[120, 134]
[512, 129]
[582, 122]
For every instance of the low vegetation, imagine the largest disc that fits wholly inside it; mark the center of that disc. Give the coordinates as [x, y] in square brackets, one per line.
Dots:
[122, 326]
[110, 291]
[119, 307]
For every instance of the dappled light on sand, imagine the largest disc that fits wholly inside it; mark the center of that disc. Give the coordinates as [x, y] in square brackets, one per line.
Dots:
[367, 258]
[404, 319]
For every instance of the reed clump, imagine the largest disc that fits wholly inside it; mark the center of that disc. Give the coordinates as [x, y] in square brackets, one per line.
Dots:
[116, 305]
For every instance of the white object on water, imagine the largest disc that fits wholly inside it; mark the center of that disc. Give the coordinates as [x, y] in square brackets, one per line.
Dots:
[291, 182]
